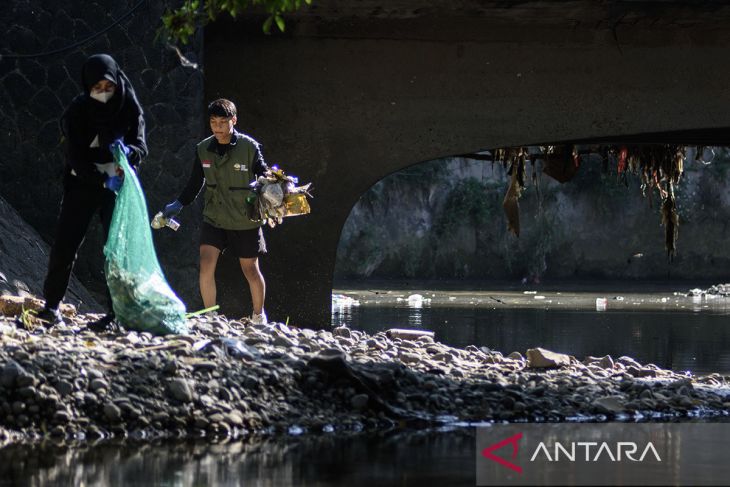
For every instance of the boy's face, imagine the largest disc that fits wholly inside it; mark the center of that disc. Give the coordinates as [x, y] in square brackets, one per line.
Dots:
[222, 128]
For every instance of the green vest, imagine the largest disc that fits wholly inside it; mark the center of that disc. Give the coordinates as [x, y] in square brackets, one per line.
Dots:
[227, 180]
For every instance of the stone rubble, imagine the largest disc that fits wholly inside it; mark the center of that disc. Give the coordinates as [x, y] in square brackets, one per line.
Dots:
[719, 290]
[231, 378]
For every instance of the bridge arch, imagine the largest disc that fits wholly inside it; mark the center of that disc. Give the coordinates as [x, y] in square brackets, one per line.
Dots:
[349, 96]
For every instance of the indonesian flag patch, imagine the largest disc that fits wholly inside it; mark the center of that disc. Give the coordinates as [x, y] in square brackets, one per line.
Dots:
[206, 164]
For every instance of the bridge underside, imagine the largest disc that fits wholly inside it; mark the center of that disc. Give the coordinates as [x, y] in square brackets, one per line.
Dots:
[356, 90]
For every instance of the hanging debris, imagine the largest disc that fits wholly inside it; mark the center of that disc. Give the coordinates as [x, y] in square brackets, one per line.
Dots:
[659, 167]
[560, 162]
[517, 158]
[670, 220]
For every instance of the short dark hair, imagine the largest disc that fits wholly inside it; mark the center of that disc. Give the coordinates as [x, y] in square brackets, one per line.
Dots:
[222, 108]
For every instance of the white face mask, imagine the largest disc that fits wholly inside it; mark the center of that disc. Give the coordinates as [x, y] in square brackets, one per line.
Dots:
[101, 96]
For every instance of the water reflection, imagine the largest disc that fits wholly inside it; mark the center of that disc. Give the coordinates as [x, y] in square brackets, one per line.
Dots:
[407, 458]
[677, 332]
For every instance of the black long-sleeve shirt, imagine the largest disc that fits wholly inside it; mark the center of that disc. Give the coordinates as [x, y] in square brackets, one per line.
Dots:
[81, 131]
[196, 181]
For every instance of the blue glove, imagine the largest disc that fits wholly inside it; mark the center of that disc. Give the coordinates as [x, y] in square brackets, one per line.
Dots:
[119, 143]
[171, 210]
[113, 183]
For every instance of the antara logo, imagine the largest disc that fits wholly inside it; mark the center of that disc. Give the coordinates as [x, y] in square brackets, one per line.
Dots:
[593, 451]
[602, 450]
[512, 440]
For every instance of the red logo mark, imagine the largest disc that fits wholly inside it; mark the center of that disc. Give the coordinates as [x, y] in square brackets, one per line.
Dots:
[487, 452]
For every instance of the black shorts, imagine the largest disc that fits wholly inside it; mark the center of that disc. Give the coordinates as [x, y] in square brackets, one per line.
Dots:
[245, 244]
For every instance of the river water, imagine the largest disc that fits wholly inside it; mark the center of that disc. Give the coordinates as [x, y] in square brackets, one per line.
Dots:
[651, 324]
[417, 458]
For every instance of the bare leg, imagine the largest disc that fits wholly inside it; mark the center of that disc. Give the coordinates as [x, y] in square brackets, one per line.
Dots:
[256, 282]
[208, 260]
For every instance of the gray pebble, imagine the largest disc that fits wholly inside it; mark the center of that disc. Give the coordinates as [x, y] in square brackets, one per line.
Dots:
[180, 389]
[97, 384]
[112, 412]
[359, 402]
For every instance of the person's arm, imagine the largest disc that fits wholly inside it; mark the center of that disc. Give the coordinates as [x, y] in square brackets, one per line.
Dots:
[195, 183]
[135, 140]
[72, 124]
[259, 165]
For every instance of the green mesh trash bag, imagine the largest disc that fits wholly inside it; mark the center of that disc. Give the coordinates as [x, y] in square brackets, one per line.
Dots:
[141, 298]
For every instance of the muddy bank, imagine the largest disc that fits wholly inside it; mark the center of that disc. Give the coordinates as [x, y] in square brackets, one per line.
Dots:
[264, 379]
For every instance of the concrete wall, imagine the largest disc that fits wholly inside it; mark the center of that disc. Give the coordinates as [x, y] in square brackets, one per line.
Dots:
[34, 91]
[343, 100]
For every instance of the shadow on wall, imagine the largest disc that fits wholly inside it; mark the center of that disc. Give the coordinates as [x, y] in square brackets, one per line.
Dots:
[23, 261]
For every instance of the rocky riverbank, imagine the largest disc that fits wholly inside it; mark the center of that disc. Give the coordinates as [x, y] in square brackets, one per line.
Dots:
[263, 379]
[722, 290]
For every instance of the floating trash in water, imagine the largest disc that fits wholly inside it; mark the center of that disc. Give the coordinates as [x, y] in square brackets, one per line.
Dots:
[451, 298]
[529, 292]
[417, 300]
[618, 298]
[539, 297]
[295, 430]
[664, 300]
[340, 300]
[601, 304]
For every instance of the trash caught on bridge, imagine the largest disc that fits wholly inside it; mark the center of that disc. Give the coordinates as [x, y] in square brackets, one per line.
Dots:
[276, 195]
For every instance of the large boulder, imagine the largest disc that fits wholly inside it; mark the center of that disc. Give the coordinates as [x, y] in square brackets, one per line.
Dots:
[540, 358]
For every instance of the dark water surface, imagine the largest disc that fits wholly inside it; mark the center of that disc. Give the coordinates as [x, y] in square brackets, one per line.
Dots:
[659, 326]
[415, 458]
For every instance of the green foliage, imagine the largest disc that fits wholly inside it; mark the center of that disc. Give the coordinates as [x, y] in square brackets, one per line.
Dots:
[180, 24]
[470, 201]
[606, 189]
[28, 319]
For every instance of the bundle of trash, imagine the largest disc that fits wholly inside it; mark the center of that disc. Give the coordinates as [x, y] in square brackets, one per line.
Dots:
[277, 195]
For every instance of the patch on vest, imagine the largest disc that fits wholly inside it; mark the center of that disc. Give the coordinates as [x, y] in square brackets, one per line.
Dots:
[239, 167]
[206, 164]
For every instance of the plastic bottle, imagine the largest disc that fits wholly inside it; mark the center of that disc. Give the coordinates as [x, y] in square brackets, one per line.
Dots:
[160, 221]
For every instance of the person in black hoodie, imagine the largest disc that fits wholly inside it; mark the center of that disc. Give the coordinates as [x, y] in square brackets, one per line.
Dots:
[106, 113]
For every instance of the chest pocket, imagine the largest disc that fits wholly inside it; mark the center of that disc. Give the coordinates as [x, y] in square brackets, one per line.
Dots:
[211, 183]
[237, 168]
[238, 174]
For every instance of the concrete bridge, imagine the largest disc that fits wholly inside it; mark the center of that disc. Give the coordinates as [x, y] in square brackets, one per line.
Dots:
[356, 90]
